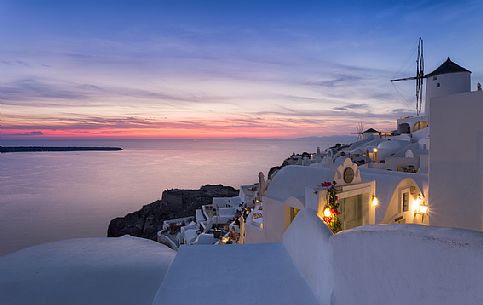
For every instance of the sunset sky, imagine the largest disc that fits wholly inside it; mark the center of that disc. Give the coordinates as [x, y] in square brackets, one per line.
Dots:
[221, 69]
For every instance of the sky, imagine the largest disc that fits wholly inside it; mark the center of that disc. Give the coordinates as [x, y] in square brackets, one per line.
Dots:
[221, 69]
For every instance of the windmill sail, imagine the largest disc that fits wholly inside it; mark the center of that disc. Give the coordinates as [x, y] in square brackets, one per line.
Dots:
[419, 78]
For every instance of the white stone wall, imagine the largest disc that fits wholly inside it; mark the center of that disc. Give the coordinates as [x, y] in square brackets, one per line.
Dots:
[387, 264]
[407, 264]
[455, 166]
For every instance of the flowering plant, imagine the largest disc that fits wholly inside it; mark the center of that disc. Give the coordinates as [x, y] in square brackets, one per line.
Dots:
[331, 210]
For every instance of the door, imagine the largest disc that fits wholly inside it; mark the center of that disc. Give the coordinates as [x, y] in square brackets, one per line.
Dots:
[351, 212]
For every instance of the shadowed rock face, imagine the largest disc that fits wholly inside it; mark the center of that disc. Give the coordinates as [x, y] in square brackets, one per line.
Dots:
[173, 204]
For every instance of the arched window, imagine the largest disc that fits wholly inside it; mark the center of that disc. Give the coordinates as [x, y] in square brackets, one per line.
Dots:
[420, 125]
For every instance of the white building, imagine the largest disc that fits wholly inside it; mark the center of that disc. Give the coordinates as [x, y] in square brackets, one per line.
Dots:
[456, 161]
[297, 187]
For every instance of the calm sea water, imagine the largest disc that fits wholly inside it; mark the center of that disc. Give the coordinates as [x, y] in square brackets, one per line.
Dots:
[50, 196]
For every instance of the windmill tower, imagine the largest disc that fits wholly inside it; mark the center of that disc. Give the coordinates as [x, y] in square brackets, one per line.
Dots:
[449, 78]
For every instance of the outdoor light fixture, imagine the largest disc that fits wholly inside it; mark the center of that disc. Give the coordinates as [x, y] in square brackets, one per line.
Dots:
[416, 204]
[423, 209]
[327, 212]
[374, 154]
[419, 207]
[375, 201]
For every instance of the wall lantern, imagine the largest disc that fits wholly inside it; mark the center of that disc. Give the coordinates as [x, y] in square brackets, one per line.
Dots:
[327, 212]
[375, 201]
[423, 209]
[420, 207]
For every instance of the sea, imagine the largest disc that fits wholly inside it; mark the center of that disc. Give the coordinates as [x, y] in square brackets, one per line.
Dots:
[50, 196]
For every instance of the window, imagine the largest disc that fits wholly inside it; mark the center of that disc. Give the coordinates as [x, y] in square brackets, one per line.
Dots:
[405, 202]
[420, 125]
[438, 85]
[435, 78]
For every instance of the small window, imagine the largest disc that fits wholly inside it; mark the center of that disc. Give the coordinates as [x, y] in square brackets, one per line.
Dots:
[405, 201]
[438, 85]
[435, 78]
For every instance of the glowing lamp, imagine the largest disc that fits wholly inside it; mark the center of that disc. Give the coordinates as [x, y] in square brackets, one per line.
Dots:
[375, 201]
[327, 212]
[423, 209]
[416, 204]
[419, 206]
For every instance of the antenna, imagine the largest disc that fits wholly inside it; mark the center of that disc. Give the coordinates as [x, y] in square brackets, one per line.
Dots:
[419, 77]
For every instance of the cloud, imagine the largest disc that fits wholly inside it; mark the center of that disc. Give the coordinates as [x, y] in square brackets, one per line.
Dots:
[334, 114]
[31, 133]
[339, 81]
[15, 63]
[352, 107]
[34, 91]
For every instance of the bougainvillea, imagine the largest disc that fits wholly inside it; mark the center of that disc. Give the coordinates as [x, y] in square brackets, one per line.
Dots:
[332, 220]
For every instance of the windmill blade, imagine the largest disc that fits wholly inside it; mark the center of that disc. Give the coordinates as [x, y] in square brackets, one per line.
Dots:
[403, 79]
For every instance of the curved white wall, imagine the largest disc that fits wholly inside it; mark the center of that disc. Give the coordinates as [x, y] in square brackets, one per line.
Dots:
[307, 242]
[276, 219]
[450, 83]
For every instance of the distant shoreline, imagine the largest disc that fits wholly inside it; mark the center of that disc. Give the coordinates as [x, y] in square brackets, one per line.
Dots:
[10, 149]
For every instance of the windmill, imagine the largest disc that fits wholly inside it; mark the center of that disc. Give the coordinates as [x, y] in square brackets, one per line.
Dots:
[419, 78]
[359, 131]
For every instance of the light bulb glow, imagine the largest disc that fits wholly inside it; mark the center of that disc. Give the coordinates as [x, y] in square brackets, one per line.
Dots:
[423, 209]
[375, 201]
[327, 212]
[416, 204]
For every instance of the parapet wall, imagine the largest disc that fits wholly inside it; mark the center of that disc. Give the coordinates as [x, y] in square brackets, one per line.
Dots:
[408, 264]
[387, 264]
[307, 241]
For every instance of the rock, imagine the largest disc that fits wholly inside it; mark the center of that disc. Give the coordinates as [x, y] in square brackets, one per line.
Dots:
[173, 204]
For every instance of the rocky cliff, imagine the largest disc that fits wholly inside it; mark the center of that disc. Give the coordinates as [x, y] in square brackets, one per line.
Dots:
[173, 204]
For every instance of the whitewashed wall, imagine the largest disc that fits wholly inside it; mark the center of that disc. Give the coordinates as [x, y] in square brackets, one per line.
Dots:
[450, 83]
[387, 264]
[455, 173]
[410, 264]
